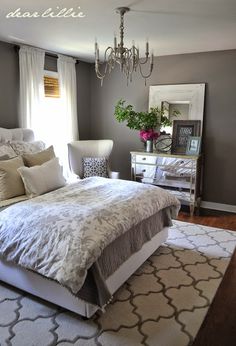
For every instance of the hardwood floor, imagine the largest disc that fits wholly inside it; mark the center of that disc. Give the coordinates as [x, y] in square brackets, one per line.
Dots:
[210, 218]
[219, 325]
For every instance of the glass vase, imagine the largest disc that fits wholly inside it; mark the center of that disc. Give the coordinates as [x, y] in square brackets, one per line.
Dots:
[149, 146]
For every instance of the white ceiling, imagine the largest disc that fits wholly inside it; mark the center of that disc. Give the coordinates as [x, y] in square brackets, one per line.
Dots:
[172, 26]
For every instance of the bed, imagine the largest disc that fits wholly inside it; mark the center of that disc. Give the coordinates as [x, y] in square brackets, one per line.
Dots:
[98, 233]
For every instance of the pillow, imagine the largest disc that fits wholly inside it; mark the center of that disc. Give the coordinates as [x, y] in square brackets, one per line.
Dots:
[95, 166]
[21, 147]
[4, 157]
[6, 149]
[39, 158]
[11, 184]
[5, 135]
[41, 179]
[17, 134]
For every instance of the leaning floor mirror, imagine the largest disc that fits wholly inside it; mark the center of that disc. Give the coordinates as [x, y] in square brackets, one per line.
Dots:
[178, 102]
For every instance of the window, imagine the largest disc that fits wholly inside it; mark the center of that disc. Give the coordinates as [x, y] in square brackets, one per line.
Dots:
[51, 85]
[51, 124]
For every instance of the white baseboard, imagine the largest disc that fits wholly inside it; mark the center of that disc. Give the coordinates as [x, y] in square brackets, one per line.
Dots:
[219, 206]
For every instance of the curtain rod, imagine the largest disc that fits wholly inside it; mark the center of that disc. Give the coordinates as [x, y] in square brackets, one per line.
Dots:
[48, 53]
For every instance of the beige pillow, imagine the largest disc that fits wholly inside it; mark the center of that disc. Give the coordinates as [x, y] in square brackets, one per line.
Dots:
[11, 184]
[41, 179]
[39, 158]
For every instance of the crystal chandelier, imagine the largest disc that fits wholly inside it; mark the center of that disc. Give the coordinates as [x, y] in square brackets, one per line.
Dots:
[127, 58]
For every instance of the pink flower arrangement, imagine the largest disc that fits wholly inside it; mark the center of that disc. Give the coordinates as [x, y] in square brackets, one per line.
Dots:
[146, 135]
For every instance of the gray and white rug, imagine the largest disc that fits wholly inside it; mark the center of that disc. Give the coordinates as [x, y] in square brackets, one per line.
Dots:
[163, 303]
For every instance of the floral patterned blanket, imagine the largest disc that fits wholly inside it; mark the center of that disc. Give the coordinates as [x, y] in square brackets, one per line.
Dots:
[62, 233]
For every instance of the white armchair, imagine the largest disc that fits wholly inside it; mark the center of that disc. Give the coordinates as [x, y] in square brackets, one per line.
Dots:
[91, 148]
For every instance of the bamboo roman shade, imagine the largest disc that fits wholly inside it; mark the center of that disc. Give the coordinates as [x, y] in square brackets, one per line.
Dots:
[51, 87]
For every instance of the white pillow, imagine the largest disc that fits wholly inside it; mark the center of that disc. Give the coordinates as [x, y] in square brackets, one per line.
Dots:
[42, 179]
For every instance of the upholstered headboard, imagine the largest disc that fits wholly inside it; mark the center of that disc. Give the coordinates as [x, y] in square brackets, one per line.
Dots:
[18, 134]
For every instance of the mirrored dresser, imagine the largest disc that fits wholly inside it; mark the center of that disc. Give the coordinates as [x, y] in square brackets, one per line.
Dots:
[181, 175]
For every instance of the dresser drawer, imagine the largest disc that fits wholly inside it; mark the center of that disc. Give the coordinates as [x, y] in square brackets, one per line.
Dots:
[176, 162]
[144, 159]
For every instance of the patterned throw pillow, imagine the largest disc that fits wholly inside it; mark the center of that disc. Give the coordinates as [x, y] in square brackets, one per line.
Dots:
[6, 149]
[95, 166]
[21, 147]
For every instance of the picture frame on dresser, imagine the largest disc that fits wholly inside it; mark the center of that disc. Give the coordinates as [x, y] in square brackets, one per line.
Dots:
[182, 130]
[193, 145]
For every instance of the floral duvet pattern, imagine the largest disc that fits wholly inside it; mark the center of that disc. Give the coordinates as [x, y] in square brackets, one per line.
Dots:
[62, 233]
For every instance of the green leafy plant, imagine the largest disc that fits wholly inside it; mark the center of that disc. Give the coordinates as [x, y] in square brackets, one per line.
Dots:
[153, 119]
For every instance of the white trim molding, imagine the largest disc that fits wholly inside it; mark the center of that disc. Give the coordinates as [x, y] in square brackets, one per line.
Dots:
[219, 206]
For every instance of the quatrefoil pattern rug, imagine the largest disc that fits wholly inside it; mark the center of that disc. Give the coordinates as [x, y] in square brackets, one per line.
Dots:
[163, 303]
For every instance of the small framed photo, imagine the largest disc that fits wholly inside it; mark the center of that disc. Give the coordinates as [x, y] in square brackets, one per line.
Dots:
[193, 145]
[182, 129]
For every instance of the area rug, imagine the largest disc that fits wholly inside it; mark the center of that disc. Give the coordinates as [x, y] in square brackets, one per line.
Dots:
[163, 303]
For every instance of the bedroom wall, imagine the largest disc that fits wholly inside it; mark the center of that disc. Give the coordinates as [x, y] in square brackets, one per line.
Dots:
[9, 85]
[218, 71]
[9, 89]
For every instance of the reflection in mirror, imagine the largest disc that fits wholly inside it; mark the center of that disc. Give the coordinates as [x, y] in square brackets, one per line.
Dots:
[185, 99]
[173, 111]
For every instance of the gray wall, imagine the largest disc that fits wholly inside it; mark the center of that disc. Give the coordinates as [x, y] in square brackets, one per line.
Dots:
[9, 85]
[9, 89]
[84, 102]
[218, 71]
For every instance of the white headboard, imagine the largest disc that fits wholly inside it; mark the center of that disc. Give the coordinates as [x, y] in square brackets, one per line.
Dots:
[19, 134]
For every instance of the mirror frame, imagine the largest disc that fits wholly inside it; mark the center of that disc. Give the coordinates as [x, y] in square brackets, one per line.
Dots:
[174, 93]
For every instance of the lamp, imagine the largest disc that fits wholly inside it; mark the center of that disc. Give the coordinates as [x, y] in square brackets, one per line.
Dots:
[127, 58]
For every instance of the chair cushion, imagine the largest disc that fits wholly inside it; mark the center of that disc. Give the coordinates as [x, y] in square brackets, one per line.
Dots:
[95, 166]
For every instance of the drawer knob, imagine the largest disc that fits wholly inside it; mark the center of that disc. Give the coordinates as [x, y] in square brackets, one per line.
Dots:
[144, 170]
[144, 158]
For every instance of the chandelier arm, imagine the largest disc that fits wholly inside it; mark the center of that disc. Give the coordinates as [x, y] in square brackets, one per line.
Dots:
[144, 61]
[98, 71]
[150, 71]
[106, 51]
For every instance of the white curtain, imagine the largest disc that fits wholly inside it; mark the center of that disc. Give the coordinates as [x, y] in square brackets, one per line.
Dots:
[67, 80]
[31, 62]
